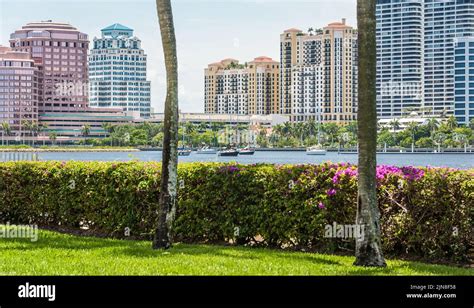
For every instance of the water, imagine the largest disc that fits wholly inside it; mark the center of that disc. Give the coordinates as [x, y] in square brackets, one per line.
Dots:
[462, 161]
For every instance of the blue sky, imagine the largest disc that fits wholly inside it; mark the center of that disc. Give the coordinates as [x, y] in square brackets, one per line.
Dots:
[207, 30]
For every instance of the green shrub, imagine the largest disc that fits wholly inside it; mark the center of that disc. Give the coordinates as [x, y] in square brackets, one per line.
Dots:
[426, 213]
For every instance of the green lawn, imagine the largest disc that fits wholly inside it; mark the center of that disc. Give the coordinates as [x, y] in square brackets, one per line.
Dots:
[60, 254]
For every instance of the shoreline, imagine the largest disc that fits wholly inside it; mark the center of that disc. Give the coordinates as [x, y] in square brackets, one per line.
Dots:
[66, 150]
[346, 152]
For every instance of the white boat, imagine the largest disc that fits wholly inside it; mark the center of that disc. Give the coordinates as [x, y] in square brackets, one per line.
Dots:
[184, 152]
[316, 150]
[229, 152]
[247, 151]
[206, 150]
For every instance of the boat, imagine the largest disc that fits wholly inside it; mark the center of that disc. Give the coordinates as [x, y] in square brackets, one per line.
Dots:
[316, 150]
[247, 151]
[184, 152]
[206, 150]
[229, 152]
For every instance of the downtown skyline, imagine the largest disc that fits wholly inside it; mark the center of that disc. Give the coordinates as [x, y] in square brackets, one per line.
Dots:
[206, 31]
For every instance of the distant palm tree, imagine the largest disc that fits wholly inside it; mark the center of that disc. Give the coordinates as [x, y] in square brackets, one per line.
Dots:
[35, 129]
[369, 246]
[460, 138]
[169, 169]
[439, 139]
[287, 129]
[352, 128]
[299, 129]
[331, 129]
[311, 127]
[106, 127]
[41, 128]
[27, 127]
[53, 136]
[433, 125]
[202, 127]
[395, 124]
[413, 129]
[85, 131]
[6, 130]
[452, 123]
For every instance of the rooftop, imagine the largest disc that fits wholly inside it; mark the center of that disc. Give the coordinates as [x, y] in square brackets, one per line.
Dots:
[118, 27]
[263, 59]
[48, 24]
[293, 30]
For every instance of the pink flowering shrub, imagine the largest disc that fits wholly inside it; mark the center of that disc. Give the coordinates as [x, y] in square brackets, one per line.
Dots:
[426, 213]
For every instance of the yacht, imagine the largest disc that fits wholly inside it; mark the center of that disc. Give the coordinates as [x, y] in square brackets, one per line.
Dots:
[229, 152]
[247, 151]
[316, 150]
[184, 152]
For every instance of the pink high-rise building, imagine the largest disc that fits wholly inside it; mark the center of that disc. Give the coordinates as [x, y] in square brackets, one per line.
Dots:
[59, 51]
[18, 91]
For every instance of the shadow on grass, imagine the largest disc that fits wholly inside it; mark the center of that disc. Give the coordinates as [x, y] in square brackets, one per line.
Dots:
[143, 250]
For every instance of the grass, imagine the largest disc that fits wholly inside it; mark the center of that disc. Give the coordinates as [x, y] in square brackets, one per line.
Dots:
[62, 254]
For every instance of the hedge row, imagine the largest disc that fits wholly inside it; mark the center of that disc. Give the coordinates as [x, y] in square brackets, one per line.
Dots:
[426, 213]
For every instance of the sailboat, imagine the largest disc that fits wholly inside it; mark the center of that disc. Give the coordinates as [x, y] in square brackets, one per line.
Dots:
[317, 149]
[183, 151]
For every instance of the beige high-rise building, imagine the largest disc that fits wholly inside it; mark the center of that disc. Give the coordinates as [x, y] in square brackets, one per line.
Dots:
[250, 88]
[288, 59]
[319, 73]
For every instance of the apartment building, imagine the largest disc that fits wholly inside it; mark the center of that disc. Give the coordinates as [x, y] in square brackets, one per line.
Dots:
[464, 80]
[243, 89]
[417, 65]
[319, 73]
[399, 57]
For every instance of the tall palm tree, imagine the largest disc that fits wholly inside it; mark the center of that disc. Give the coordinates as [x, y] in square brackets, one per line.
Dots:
[368, 247]
[169, 170]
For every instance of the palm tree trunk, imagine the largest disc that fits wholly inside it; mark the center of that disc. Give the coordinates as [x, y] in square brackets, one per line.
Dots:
[368, 247]
[169, 175]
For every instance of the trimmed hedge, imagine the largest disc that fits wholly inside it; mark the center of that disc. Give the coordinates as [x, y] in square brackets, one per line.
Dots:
[426, 213]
